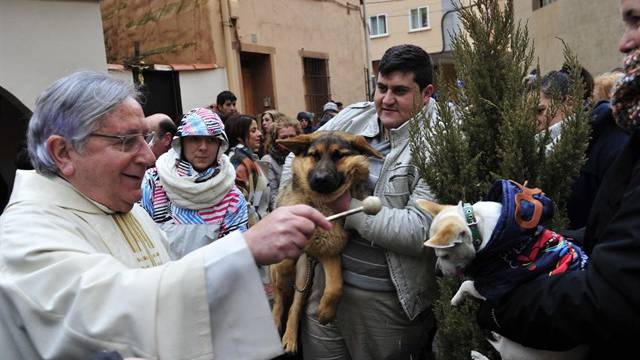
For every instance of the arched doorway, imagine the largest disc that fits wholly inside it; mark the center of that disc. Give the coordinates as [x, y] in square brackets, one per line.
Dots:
[14, 117]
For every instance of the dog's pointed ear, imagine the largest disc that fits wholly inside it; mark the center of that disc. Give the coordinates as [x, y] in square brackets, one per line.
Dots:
[360, 143]
[430, 206]
[439, 241]
[446, 236]
[297, 144]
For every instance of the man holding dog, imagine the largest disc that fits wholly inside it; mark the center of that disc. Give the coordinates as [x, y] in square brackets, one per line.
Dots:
[389, 284]
[83, 268]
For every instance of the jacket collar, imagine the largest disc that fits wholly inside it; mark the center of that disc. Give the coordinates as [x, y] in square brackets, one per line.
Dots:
[54, 191]
[358, 118]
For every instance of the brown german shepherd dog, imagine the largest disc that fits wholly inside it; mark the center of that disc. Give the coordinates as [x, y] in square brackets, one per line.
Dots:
[327, 164]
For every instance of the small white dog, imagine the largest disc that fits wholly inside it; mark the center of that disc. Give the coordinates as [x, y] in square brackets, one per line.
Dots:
[452, 240]
[457, 234]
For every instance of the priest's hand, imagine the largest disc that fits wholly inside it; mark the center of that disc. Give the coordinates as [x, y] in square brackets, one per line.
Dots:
[283, 233]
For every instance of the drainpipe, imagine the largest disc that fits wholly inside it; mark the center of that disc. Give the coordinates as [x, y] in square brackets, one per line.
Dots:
[231, 52]
[365, 27]
[450, 11]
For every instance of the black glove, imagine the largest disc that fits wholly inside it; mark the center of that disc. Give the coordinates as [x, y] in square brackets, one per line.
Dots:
[486, 317]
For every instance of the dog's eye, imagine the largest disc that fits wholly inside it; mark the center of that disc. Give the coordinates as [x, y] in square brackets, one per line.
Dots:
[336, 155]
[445, 257]
[314, 155]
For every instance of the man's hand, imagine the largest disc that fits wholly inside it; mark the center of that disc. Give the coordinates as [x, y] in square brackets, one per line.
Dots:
[283, 233]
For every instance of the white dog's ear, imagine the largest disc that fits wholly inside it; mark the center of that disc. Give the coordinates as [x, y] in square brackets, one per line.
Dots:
[434, 243]
[430, 206]
[447, 235]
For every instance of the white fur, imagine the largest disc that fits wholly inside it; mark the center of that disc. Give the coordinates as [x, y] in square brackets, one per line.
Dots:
[477, 356]
[467, 288]
[455, 256]
[511, 350]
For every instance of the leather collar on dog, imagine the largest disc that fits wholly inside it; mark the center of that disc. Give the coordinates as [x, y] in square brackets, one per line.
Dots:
[473, 225]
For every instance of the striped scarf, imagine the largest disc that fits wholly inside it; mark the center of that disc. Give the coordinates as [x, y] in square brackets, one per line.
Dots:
[190, 189]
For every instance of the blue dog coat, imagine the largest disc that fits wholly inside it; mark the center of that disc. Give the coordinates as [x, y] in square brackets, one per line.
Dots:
[521, 249]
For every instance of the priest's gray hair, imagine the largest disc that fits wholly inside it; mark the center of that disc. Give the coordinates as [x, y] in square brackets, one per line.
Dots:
[73, 107]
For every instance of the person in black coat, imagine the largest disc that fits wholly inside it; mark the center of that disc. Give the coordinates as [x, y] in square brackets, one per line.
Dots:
[607, 141]
[600, 306]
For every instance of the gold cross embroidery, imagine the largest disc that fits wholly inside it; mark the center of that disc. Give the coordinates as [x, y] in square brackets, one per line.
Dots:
[139, 243]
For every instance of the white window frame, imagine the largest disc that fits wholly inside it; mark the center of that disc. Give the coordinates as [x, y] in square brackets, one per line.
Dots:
[428, 27]
[386, 26]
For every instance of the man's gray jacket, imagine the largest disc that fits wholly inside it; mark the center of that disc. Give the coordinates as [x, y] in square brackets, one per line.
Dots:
[401, 227]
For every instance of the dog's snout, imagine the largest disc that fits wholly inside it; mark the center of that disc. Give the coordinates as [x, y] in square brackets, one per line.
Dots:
[323, 181]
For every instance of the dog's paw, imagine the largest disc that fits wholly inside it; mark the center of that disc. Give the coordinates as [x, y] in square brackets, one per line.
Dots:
[477, 356]
[290, 342]
[457, 299]
[326, 314]
[467, 288]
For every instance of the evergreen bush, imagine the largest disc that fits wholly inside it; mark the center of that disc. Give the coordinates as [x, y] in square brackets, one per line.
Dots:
[487, 130]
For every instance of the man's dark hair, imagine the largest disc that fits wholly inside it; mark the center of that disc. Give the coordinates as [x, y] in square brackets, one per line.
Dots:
[304, 115]
[587, 80]
[408, 59]
[224, 96]
[237, 127]
[555, 83]
[167, 126]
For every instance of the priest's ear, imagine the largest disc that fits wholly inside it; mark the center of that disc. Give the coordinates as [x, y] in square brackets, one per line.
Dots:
[60, 151]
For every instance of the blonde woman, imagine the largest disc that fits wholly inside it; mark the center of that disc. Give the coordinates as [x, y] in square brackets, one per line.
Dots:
[267, 118]
[276, 154]
[603, 85]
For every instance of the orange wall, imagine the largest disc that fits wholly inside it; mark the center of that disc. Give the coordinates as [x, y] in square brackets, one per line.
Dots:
[290, 27]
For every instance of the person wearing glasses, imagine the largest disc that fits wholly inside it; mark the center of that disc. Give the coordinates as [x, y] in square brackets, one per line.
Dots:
[84, 268]
[190, 192]
[162, 130]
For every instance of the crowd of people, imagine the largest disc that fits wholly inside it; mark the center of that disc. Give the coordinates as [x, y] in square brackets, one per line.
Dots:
[146, 237]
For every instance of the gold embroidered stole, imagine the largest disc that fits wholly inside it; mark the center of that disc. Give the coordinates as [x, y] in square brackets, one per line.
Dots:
[142, 247]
